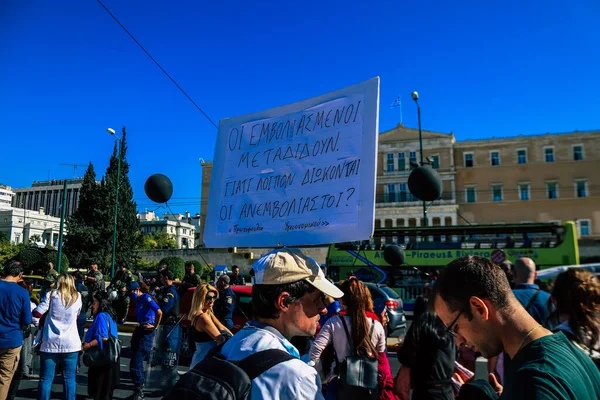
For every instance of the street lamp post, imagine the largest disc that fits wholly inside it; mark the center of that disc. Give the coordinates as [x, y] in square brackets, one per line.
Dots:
[114, 244]
[415, 97]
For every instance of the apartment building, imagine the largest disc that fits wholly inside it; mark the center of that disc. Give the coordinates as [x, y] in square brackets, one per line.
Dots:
[49, 195]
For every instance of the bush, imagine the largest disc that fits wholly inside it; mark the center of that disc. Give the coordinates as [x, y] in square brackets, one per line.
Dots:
[175, 265]
[143, 265]
[32, 258]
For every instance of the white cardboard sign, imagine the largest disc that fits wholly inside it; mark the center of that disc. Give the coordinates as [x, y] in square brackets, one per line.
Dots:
[300, 174]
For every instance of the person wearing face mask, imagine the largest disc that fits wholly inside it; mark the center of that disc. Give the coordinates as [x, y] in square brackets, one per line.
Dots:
[206, 330]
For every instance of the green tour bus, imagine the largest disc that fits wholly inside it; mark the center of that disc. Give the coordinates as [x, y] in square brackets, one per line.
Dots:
[428, 249]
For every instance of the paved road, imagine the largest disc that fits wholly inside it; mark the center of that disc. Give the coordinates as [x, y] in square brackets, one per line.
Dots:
[28, 388]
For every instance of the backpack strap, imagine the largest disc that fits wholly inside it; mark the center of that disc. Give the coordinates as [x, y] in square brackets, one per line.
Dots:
[257, 363]
[535, 295]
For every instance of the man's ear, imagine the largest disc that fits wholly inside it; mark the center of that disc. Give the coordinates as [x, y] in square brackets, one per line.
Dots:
[282, 301]
[481, 307]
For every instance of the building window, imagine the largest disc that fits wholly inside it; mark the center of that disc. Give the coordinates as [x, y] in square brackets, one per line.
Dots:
[549, 154]
[580, 189]
[522, 156]
[495, 158]
[403, 194]
[401, 162]
[497, 193]
[435, 162]
[391, 193]
[578, 152]
[552, 190]
[585, 227]
[469, 163]
[412, 159]
[471, 194]
[390, 162]
[524, 191]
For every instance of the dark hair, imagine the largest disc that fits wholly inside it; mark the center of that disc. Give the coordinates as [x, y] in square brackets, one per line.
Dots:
[168, 274]
[472, 276]
[77, 276]
[264, 297]
[189, 264]
[105, 305]
[13, 268]
[234, 267]
[577, 294]
[144, 288]
[431, 334]
[356, 300]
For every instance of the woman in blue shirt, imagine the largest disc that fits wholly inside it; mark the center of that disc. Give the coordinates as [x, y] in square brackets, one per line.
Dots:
[102, 381]
[148, 315]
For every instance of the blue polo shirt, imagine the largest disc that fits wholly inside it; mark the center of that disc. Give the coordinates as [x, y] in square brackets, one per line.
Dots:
[15, 315]
[524, 292]
[145, 308]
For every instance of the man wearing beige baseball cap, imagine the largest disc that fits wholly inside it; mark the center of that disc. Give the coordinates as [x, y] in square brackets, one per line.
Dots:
[287, 300]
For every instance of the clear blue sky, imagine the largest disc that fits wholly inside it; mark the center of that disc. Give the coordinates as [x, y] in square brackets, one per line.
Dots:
[68, 71]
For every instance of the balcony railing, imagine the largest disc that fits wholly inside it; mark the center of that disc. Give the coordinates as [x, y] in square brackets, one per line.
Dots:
[408, 200]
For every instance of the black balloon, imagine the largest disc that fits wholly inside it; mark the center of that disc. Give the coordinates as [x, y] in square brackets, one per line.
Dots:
[159, 188]
[393, 255]
[425, 183]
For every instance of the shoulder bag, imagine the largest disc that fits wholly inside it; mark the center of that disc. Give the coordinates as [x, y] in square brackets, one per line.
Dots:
[357, 374]
[109, 353]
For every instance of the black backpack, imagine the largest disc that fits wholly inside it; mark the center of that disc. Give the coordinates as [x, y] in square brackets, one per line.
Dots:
[217, 378]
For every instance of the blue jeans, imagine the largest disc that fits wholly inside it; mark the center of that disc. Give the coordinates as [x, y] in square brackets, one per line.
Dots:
[141, 346]
[48, 366]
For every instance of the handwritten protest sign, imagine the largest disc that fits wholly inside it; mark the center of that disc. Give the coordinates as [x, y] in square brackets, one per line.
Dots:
[299, 174]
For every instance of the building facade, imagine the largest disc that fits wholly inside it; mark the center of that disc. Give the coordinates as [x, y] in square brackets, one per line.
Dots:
[537, 178]
[540, 178]
[206, 176]
[49, 195]
[22, 226]
[398, 155]
[6, 196]
[179, 226]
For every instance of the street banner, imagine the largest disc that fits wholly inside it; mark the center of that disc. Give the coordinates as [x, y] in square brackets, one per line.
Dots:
[299, 174]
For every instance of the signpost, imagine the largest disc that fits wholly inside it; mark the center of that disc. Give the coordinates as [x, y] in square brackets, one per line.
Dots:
[498, 256]
[300, 174]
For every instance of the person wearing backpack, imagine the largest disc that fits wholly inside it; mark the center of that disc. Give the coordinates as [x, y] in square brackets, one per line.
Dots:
[576, 295]
[358, 340]
[259, 362]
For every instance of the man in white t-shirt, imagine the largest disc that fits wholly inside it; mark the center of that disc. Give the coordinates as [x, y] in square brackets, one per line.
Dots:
[287, 299]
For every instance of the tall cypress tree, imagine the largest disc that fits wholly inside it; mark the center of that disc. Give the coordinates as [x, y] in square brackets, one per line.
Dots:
[127, 221]
[84, 242]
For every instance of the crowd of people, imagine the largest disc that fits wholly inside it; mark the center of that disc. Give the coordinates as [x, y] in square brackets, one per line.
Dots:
[308, 338]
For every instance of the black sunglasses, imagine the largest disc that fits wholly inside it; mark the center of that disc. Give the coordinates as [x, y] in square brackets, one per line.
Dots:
[211, 298]
[450, 328]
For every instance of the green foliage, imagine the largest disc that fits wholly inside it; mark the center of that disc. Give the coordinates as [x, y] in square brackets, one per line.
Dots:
[4, 237]
[176, 265]
[35, 239]
[89, 226]
[156, 240]
[31, 257]
[8, 251]
[143, 265]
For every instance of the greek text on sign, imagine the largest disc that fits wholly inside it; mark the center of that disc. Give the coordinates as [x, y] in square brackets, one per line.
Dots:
[299, 174]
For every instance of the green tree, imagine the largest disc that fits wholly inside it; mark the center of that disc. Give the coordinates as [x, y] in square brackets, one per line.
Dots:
[127, 222]
[175, 265]
[8, 251]
[88, 227]
[164, 240]
[35, 239]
